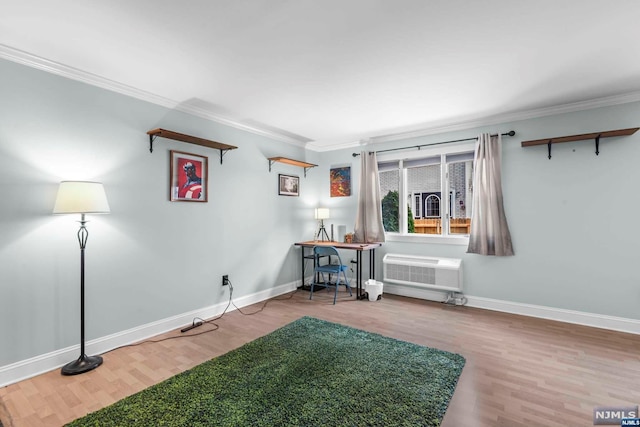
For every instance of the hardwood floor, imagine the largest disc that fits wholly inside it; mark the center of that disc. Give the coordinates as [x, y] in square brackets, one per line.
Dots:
[520, 371]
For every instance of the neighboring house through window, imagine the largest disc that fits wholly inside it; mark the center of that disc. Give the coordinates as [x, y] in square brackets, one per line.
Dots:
[420, 178]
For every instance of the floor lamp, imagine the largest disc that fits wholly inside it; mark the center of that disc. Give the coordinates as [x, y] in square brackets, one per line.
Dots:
[81, 197]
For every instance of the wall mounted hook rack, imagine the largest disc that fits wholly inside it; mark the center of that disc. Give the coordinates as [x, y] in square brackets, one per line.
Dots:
[585, 136]
[154, 133]
[293, 162]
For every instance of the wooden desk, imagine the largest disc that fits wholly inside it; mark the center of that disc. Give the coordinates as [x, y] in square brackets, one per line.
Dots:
[358, 247]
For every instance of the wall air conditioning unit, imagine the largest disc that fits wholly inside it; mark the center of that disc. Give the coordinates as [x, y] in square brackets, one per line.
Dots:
[440, 274]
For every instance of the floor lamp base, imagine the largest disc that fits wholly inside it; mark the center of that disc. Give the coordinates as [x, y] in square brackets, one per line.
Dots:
[83, 364]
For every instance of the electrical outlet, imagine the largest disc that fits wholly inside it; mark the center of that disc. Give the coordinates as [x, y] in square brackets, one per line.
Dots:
[225, 280]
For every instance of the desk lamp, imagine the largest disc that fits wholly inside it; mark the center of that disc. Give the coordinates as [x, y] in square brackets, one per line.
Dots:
[81, 197]
[322, 214]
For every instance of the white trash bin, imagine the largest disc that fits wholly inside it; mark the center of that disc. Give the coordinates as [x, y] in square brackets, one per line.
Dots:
[373, 289]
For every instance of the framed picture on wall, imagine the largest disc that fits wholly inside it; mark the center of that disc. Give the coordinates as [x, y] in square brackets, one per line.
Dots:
[288, 185]
[340, 181]
[189, 175]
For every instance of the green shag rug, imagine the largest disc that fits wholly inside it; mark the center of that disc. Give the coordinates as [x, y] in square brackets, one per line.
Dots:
[307, 373]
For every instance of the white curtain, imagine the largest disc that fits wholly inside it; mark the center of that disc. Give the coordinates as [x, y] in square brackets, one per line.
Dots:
[489, 229]
[369, 226]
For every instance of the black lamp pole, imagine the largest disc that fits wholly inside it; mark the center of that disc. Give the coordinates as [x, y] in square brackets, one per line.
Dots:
[84, 363]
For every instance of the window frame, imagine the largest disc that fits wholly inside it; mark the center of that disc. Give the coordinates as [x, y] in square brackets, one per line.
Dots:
[403, 156]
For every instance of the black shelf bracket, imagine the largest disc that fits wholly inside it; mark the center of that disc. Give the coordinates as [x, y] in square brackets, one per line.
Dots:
[549, 148]
[151, 139]
[222, 153]
[271, 162]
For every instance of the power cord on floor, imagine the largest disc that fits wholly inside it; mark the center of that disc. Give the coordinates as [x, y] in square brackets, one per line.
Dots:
[197, 321]
[263, 305]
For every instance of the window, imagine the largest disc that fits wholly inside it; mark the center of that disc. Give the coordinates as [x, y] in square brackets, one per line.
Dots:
[417, 207]
[436, 188]
[432, 206]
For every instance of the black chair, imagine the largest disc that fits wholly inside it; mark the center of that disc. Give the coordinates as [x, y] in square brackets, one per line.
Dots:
[337, 269]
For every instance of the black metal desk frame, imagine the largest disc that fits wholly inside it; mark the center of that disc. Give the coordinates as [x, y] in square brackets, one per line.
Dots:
[358, 247]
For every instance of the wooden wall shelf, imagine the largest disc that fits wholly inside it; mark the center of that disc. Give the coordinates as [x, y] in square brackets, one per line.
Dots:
[154, 133]
[293, 162]
[581, 137]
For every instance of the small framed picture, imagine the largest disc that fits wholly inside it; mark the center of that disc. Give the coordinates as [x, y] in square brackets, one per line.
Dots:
[288, 185]
[189, 175]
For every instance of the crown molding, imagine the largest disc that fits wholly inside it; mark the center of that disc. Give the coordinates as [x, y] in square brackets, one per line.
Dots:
[333, 147]
[53, 67]
[444, 127]
[513, 116]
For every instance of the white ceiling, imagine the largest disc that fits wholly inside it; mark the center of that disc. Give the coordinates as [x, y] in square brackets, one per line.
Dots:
[328, 73]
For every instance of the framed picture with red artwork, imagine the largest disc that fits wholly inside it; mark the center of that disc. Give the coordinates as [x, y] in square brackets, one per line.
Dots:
[189, 175]
[340, 180]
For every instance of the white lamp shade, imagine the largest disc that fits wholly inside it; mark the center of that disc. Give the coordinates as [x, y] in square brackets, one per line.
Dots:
[322, 213]
[81, 197]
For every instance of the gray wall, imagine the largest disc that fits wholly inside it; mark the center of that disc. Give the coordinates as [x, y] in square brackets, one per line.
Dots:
[150, 259]
[574, 236]
[571, 218]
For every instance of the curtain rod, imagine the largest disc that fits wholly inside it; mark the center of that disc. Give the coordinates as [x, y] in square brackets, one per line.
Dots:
[510, 133]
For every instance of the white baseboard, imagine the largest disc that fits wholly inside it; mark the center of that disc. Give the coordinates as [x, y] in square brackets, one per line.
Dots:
[602, 321]
[31, 367]
[28, 368]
